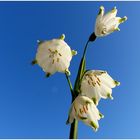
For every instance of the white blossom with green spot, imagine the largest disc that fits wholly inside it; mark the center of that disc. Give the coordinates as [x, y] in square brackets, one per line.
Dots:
[97, 84]
[108, 23]
[85, 110]
[54, 56]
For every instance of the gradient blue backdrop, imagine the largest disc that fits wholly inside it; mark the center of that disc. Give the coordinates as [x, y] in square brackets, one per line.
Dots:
[32, 106]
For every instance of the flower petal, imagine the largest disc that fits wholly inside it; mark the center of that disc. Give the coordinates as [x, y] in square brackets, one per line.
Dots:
[54, 55]
[108, 23]
[111, 14]
[107, 80]
[97, 84]
[105, 91]
[85, 110]
[90, 89]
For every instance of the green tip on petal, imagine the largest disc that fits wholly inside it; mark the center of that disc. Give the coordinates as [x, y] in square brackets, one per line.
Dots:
[34, 62]
[101, 115]
[48, 74]
[62, 37]
[96, 130]
[101, 9]
[39, 42]
[114, 9]
[94, 100]
[116, 83]
[73, 52]
[109, 96]
[123, 19]
[67, 72]
[93, 125]
[117, 29]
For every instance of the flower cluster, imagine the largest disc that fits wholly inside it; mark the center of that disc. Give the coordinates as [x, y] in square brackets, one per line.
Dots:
[55, 56]
[95, 84]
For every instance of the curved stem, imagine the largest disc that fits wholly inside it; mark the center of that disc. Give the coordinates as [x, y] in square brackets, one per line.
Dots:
[70, 84]
[81, 70]
[84, 53]
[74, 125]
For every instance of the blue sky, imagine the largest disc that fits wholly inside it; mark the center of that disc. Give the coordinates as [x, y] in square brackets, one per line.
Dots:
[32, 106]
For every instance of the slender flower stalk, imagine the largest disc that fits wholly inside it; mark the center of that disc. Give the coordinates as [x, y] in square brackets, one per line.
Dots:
[74, 130]
[74, 125]
[70, 84]
[84, 53]
[82, 66]
[81, 70]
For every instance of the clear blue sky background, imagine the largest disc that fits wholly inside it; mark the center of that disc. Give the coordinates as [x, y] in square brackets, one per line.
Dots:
[32, 106]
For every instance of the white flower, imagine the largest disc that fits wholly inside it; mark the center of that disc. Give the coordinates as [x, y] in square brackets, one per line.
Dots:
[108, 23]
[97, 84]
[85, 110]
[54, 56]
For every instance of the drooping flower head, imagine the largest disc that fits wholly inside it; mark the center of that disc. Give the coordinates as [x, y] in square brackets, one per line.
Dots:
[108, 23]
[97, 84]
[85, 110]
[54, 56]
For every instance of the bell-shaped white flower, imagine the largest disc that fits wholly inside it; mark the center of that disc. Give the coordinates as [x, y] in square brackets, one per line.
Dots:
[108, 23]
[85, 110]
[97, 84]
[54, 56]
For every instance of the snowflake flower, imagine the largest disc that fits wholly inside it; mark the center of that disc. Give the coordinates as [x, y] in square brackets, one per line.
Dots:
[108, 23]
[54, 56]
[97, 84]
[85, 110]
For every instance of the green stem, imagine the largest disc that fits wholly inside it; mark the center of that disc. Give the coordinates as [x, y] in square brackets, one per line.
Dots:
[82, 65]
[74, 125]
[73, 130]
[84, 53]
[70, 84]
[80, 70]
[75, 91]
